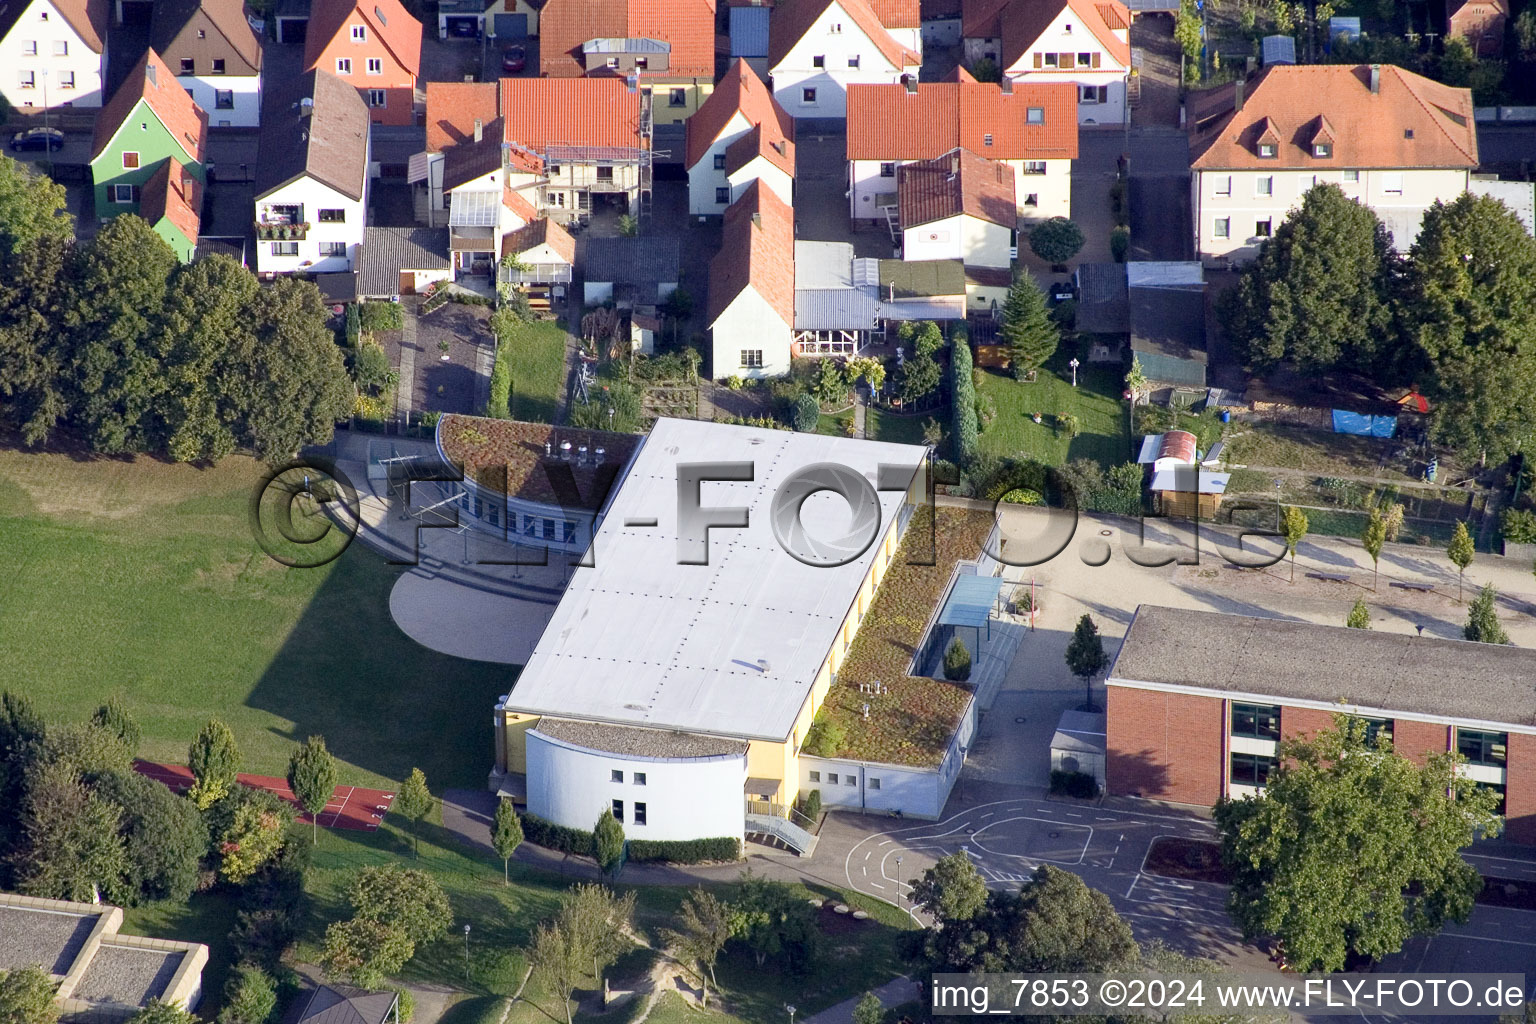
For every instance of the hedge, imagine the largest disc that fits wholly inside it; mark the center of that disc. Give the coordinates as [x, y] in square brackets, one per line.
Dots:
[685, 851]
[963, 403]
[557, 837]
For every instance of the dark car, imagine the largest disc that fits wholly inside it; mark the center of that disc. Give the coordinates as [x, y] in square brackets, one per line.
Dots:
[514, 58]
[50, 139]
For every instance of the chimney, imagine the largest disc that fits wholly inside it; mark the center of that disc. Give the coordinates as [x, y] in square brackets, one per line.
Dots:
[1006, 85]
[954, 162]
[479, 129]
[910, 81]
[757, 220]
[1237, 97]
[1375, 78]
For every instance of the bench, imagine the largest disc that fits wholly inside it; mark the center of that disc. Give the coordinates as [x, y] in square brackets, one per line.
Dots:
[1336, 577]
[1413, 586]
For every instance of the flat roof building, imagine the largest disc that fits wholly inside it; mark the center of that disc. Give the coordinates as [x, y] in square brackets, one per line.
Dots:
[1198, 702]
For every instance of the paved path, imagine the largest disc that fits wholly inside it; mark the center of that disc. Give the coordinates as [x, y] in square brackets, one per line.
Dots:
[892, 993]
[406, 388]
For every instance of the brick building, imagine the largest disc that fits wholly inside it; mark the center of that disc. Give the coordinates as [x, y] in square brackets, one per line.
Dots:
[1198, 701]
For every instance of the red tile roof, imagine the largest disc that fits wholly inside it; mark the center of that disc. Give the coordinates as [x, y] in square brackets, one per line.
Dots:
[759, 143]
[519, 204]
[1410, 122]
[1024, 20]
[543, 112]
[89, 18]
[898, 13]
[540, 232]
[741, 90]
[687, 25]
[757, 250]
[452, 109]
[982, 19]
[387, 19]
[889, 122]
[960, 182]
[791, 19]
[151, 81]
[176, 197]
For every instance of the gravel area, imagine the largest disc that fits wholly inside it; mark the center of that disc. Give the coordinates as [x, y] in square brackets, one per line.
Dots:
[126, 975]
[50, 938]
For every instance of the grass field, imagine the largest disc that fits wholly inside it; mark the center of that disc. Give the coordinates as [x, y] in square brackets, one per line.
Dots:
[1095, 401]
[142, 578]
[888, 426]
[537, 358]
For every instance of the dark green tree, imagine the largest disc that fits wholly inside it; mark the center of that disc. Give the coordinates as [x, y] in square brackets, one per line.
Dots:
[250, 996]
[208, 314]
[1027, 328]
[71, 848]
[91, 751]
[957, 661]
[158, 1012]
[806, 413]
[36, 284]
[951, 890]
[413, 802]
[22, 733]
[1461, 552]
[1055, 923]
[1353, 849]
[26, 997]
[506, 836]
[1483, 619]
[115, 717]
[962, 399]
[1086, 657]
[703, 929]
[608, 841]
[403, 898]
[773, 922]
[1317, 294]
[1056, 240]
[1469, 310]
[215, 762]
[364, 952]
[312, 778]
[163, 833]
[33, 208]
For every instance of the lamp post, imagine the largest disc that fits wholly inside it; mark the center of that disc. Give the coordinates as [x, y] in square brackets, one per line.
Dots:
[1074, 364]
[1278, 483]
[791, 1010]
[466, 952]
[47, 143]
[900, 901]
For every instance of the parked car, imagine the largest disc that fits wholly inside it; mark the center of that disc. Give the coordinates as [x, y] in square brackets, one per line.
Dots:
[1062, 291]
[49, 139]
[514, 58]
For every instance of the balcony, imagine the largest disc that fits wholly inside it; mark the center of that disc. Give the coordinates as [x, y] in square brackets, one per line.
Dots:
[281, 231]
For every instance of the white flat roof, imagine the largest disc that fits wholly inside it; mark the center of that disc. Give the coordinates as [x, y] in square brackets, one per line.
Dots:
[638, 639]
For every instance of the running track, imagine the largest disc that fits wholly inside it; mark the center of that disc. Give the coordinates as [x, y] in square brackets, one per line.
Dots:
[350, 807]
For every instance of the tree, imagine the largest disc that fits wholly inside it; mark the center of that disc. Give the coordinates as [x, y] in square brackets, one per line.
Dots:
[772, 921]
[1525, 35]
[957, 661]
[869, 369]
[70, 845]
[1070, 423]
[26, 997]
[557, 961]
[1529, 1015]
[1056, 240]
[599, 923]
[806, 413]
[869, 1010]
[364, 951]
[918, 378]
[1468, 309]
[1460, 552]
[164, 836]
[33, 208]
[506, 836]
[215, 762]
[93, 752]
[250, 996]
[1136, 380]
[1293, 527]
[1317, 294]
[608, 841]
[1483, 619]
[251, 826]
[951, 890]
[114, 717]
[1359, 615]
[1187, 33]
[312, 778]
[158, 1012]
[1027, 328]
[1086, 657]
[413, 802]
[986, 70]
[406, 899]
[1373, 537]
[1055, 923]
[962, 395]
[1353, 848]
[703, 929]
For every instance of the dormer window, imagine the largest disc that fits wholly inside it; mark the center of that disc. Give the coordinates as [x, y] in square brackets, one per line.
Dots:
[1407, 133]
[1267, 150]
[1034, 115]
[1322, 150]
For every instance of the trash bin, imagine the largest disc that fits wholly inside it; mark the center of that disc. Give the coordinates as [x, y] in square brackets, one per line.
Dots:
[1226, 416]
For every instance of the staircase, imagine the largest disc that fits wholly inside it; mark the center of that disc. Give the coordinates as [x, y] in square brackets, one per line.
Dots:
[782, 829]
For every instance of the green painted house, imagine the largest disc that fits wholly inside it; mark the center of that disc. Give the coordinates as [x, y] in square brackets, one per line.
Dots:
[149, 124]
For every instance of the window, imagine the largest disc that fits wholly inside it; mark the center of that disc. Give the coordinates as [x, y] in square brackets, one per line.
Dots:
[874, 783]
[641, 63]
[1375, 727]
[1497, 787]
[1034, 167]
[835, 29]
[853, 62]
[187, 65]
[807, 95]
[819, 61]
[1267, 150]
[831, 778]
[1407, 133]
[1323, 150]
[752, 359]
[375, 65]
[605, 174]
[986, 140]
[359, 33]
[1264, 186]
[618, 811]
[28, 79]
[639, 814]
[815, 776]
[1489, 748]
[1263, 228]
[130, 161]
[201, 34]
[615, 776]
[677, 98]
[1052, 60]
[66, 79]
[223, 99]
[1351, 175]
[1223, 228]
[1085, 59]
[1034, 115]
[375, 97]
[1224, 185]
[850, 780]
[1032, 199]
[568, 536]
[1392, 183]
[338, 249]
[123, 193]
[29, 49]
[723, 196]
[613, 62]
[343, 65]
[888, 169]
[557, 198]
[1260, 721]
[1251, 769]
[639, 778]
[285, 248]
[719, 161]
[60, 48]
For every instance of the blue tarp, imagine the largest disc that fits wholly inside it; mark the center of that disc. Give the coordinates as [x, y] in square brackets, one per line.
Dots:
[971, 601]
[1363, 425]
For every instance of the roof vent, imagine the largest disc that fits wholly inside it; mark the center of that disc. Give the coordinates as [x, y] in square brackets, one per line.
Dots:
[306, 106]
[762, 665]
[479, 129]
[1006, 85]
[565, 451]
[149, 73]
[581, 456]
[1237, 97]
[757, 220]
[380, 15]
[1375, 78]
[597, 456]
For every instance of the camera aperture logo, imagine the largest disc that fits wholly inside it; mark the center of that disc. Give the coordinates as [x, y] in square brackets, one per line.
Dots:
[305, 514]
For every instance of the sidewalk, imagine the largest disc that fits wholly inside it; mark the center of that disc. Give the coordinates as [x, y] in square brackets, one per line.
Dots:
[892, 993]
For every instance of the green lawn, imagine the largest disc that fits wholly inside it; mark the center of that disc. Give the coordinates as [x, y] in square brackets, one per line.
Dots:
[537, 357]
[1095, 401]
[142, 578]
[888, 426]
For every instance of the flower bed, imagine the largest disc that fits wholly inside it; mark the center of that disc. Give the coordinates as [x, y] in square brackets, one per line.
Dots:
[912, 721]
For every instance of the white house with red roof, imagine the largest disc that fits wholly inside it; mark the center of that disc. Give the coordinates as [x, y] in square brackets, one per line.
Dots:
[1391, 139]
[961, 207]
[817, 49]
[740, 135]
[752, 287]
[1084, 42]
[372, 45]
[54, 52]
[1030, 128]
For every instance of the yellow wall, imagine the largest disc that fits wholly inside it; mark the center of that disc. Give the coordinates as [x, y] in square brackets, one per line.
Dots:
[697, 90]
[516, 733]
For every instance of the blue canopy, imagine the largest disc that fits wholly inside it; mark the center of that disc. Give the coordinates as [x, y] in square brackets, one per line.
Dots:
[971, 601]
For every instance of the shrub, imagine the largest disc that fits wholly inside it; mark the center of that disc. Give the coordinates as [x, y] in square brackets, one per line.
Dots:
[986, 70]
[1519, 525]
[250, 996]
[608, 841]
[685, 851]
[963, 404]
[957, 661]
[1022, 496]
[407, 1003]
[499, 404]
[806, 413]
[1120, 243]
[810, 804]
[380, 316]
[1074, 784]
[353, 325]
[557, 837]
[469, 299]
[1057, 240]
[825, 738]
[734, 382]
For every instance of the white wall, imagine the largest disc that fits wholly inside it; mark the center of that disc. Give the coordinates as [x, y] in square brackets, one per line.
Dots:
[749, 322]
[703, 178]
[1238, 197]
[685, 798]
[835, 37]
[246, 112]
[1053, 189]
[973, 241]
[941, 31]
[79, 60]
[1079, 40]
[314, 197]
[771, 175]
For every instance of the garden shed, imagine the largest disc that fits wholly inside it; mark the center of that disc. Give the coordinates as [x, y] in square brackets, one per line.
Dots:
[1078, 744]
